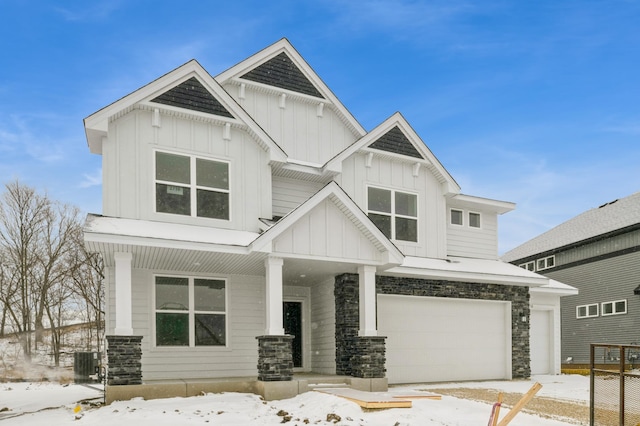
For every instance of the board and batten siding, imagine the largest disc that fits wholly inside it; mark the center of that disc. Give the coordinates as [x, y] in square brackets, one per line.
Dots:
[245, 321]
[465, 241]
[129, 166]
[325, 232]
[323, 327]
[605, 280]
[297, 128]
[290, 193]
[398, 175]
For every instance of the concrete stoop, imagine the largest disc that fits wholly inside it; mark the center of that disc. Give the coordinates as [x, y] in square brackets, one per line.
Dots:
[268, 390]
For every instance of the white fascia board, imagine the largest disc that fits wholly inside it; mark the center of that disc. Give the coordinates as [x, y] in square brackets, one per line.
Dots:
[556, 288]
[468, 270]
[498, 206]
[125, 240]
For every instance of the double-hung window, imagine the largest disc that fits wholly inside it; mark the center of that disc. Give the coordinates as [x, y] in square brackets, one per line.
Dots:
[395, 213]
[192, 186]
[190, 311]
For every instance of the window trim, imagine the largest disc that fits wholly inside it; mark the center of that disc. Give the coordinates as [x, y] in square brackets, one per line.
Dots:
[526, 265]
[469, 213]
[613, 308]
[451, 210]
[597, 314]
[546, 262]
[191, 313]
[393, 215]
[192, 185]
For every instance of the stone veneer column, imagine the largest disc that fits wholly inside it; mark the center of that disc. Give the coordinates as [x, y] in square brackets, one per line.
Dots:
[368, 361]
[124, 354]
[347, 320]
[275, 358]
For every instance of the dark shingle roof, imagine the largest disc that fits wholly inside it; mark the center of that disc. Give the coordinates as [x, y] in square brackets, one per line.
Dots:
[607, 218]
[191, 94]
[280, 71]
[395, 141]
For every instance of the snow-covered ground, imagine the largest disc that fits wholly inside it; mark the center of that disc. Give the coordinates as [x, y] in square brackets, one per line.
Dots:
[55, 404]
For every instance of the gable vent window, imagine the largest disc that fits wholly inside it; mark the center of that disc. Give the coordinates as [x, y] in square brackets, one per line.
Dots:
[546, 263]
[192, 186]
[617, 307]
[587, 311]
[395, 213]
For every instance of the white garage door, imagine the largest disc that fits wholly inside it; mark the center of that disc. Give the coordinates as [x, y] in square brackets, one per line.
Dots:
[433, 339]
[540, 342]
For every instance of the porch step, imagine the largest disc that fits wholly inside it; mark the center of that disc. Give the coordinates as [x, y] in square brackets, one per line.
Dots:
[340, 385]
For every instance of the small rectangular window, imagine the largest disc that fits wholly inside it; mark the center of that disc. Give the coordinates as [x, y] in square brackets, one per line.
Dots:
[456, 217]
[617, 307]
[587, 311]
[474, 220]
[546, 263]
[529, 266]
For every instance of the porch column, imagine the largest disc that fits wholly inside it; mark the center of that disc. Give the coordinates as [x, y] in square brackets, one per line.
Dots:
[124, 323]
[367, 300]
[275, 323]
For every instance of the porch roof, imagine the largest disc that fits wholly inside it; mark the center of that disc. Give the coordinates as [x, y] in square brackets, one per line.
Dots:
[468, 270]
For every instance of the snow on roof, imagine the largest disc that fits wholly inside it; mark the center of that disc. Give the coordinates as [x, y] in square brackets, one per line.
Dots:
[556, 287]
[467, 269]
[609, 217]
[167, 231]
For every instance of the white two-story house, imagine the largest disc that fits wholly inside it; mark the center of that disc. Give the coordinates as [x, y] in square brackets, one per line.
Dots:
[252, 230]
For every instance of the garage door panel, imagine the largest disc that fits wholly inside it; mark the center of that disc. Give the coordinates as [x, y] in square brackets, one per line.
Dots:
[440, 339]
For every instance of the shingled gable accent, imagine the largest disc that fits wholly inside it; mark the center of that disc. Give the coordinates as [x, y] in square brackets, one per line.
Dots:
[280, 71]
[396, 142]
[192, 95]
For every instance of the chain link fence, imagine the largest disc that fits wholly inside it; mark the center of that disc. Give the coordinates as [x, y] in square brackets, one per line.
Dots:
[615, 385]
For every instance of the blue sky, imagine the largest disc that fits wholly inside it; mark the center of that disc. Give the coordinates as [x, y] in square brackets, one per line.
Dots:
[537, 103]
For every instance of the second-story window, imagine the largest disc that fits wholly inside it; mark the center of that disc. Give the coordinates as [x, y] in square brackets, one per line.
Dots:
[192, 186]
[395, 213]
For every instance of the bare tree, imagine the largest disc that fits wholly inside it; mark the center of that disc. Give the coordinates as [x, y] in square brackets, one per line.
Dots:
[88, 275]
[22, 217]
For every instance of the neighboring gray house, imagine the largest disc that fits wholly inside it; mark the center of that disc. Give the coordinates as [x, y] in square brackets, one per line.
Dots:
[252, 229]
[598, 252]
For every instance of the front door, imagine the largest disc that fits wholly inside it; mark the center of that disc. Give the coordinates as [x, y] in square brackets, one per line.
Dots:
[292, 314]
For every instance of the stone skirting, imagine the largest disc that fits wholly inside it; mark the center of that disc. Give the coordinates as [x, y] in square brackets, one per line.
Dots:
[368, 361]
[124, 354]
[275, 358]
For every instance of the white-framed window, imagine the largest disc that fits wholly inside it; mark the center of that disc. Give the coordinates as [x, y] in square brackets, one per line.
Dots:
[529, 266]
[456, 217]
[474, 220]
[191, 186]
[190, 311]
[395, 213]
[617, 307]
[545, 263]
[587, 311]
